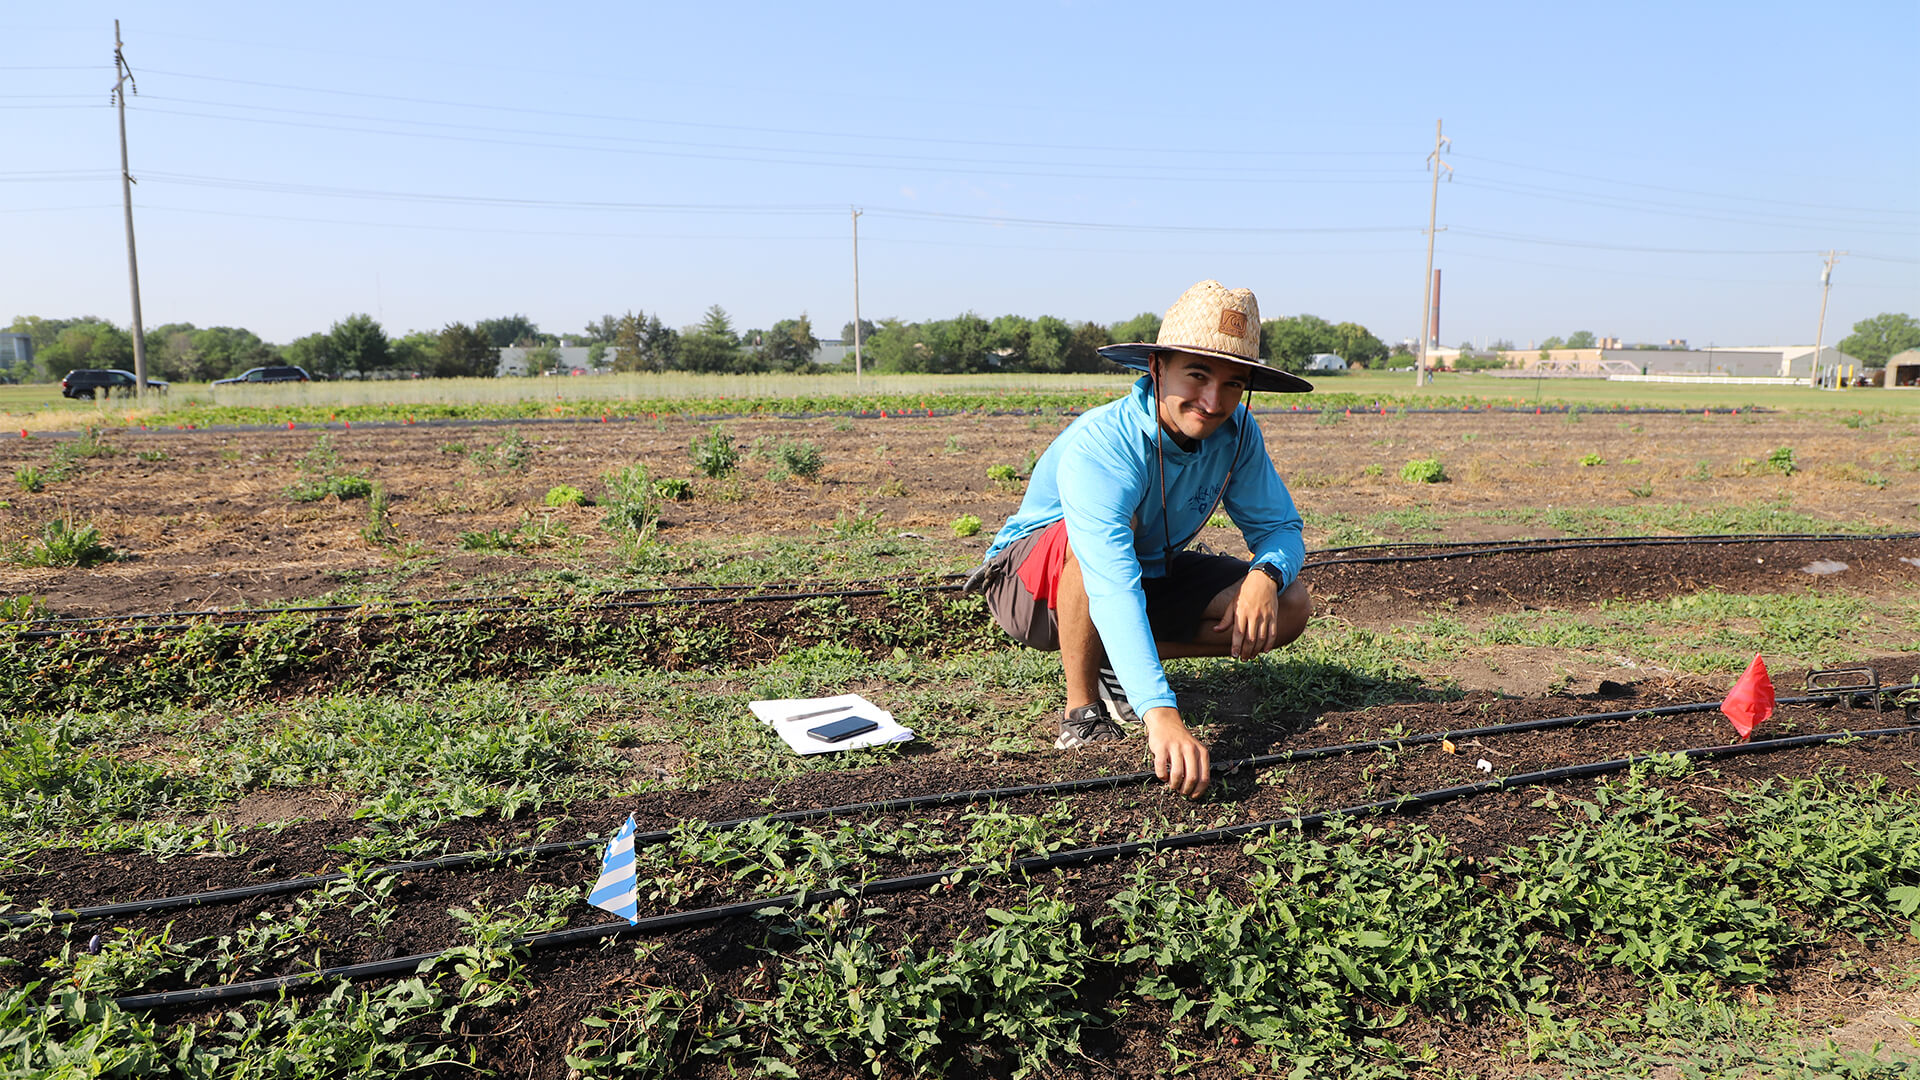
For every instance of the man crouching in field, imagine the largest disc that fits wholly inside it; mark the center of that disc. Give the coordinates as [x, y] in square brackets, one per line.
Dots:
[1093, 564]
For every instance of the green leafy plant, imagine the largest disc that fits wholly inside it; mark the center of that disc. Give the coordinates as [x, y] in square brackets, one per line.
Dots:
[1373, 468]
[1780, 460]
[487, 540]
[511, 454]
[714, 454]
[673, 488]
[566, 495]
[64, 543]
[89, 445]
[1002, 474]
[22, 607]
[1590, 460]
[632, 508]
[966, 525]
[1423, 471]
[30, 478]
[847, 526]
[801, 459]
[321, 475]
[379, 530]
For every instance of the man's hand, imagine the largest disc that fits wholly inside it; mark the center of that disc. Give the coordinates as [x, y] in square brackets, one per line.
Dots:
[1178, 757]
[1255, 617]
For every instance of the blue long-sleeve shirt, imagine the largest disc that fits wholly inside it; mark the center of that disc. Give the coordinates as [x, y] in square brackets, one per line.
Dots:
[1102, 474]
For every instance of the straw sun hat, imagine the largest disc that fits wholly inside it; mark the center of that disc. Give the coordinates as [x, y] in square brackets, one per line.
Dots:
[1212, 320]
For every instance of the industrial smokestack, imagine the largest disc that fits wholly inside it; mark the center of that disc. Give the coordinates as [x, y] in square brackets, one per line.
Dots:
[1433, 318]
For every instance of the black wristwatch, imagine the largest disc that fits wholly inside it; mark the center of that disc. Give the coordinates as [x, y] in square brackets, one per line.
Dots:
[1273, 572]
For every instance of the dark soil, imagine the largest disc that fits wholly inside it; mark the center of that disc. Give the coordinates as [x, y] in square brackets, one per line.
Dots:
[572, 984]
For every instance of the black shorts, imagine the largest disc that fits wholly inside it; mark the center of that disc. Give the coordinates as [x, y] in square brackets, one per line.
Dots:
[1175, 603]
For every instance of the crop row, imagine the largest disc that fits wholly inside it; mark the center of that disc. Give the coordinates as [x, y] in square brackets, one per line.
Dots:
[1306, 952]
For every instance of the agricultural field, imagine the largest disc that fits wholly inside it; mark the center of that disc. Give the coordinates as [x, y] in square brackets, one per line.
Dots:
[344, 649]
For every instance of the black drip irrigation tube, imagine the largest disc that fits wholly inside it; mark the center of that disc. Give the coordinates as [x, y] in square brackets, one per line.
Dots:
[904, 803]
[60, 626]
[460, 603]
[370, 615]
[1532, 546]
[1037, 864]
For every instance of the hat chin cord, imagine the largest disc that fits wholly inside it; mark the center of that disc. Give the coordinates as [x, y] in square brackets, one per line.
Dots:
[1160, 455]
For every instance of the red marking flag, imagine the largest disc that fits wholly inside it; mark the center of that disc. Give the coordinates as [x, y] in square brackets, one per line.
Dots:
[1750, 702]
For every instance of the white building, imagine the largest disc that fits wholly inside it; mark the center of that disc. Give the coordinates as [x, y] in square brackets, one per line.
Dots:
[573, 358]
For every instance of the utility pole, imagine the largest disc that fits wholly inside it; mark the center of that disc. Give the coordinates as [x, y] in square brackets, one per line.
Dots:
[856, 297]
[122, 79]
[1440, 142]
[1819, 334]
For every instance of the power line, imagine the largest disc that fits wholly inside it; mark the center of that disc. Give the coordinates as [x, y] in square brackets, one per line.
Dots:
[810, 133]
[55, 209]
[383, 195]
[868, 241]
[864, 157]
[1691, 213]
[910, 214]
[1518, 238]
[51, 176]
[476, 229]
[380, 195]
[1194, 177]
[986, 219]
[1686, 191]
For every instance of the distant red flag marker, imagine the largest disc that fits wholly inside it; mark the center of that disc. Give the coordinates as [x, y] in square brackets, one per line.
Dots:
[1750, 702]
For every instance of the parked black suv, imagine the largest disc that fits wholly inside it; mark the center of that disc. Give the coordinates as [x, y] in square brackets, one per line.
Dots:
[87, 382]
[268, 374]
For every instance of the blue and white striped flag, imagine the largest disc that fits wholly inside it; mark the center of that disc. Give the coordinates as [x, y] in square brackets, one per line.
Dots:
[615, 890]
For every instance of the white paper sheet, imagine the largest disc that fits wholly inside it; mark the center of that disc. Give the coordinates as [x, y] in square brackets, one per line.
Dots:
[791, 717]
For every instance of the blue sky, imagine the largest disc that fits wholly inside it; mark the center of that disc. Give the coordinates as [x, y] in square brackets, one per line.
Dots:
[1639, 170]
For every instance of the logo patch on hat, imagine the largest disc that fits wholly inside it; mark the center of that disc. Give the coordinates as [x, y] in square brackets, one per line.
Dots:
[1233, 323]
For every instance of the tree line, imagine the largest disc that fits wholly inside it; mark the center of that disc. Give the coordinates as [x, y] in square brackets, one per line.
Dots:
[358, 346]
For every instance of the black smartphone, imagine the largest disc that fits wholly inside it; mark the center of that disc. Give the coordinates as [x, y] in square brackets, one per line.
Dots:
[843, 729]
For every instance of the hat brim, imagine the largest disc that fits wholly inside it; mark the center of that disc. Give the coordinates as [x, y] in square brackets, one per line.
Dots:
[1262, 377]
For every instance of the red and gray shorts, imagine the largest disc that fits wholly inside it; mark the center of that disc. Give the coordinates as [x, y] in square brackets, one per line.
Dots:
[1022, 584]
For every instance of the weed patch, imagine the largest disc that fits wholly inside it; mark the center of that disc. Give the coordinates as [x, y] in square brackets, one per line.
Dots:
[1423, 471]
[62, 542]
[714, 454]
